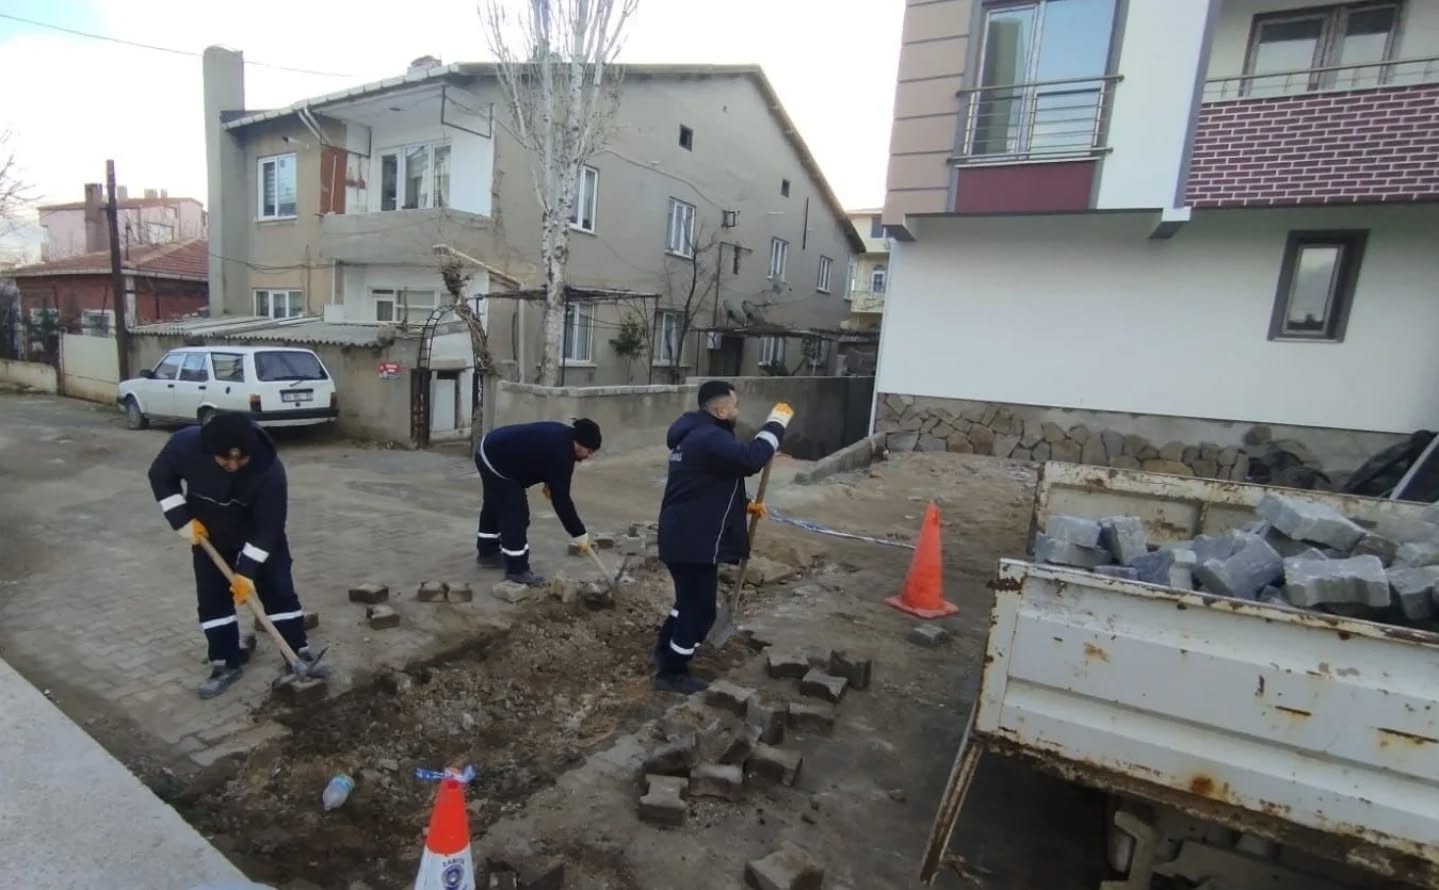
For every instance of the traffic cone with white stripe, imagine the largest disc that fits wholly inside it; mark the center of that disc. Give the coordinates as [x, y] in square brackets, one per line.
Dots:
[447, 863]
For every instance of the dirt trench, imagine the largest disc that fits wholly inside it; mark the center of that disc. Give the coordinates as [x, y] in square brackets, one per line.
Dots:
[522, 704]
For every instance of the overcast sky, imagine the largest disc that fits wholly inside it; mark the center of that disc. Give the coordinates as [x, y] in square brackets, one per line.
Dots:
[72, 102]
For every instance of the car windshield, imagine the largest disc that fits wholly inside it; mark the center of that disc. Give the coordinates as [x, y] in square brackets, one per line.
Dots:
[288, 366]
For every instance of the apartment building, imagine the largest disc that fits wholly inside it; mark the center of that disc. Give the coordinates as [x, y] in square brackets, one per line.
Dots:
[705, 196]
[80, 227]
[1177, 220]
[869, 272]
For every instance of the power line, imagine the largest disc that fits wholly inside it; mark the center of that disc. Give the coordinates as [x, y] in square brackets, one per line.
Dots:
[162, 49]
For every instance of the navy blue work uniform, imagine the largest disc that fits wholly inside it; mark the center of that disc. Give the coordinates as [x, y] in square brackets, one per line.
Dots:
[511, 459]
[703, 522]
[244, 513]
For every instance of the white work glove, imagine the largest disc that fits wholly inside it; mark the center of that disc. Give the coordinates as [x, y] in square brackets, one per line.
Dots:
[781, 414]
[193, 532]
[583, 542]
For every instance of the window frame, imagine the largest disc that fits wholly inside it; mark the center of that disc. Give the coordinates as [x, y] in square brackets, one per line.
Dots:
[200, 358]
[105, 329]
[881, 274]
[393, 299]
[686, 214]
[239, 359]
[179, 358]
[687, 138]
[593, 194]
[662, 319]
[1352, 244]
[771, 350]
[784, 188]
[778, 259]
[569, 344]
[260, 214]
[270, 293]
[1335, 20]
[825, 274]
[433, 200]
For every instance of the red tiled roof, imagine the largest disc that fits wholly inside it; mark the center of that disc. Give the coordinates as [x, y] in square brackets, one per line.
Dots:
[127, 204]
[186, 260]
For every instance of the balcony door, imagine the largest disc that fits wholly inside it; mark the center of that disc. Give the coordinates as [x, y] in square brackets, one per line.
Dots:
[1041, 78]
[1334, 47]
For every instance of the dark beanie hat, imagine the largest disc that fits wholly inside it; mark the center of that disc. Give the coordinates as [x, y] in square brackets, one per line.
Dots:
[587, 433]
[226, 434]
[713, 389]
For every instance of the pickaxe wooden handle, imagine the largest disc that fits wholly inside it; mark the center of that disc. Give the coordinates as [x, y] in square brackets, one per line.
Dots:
[291, 658]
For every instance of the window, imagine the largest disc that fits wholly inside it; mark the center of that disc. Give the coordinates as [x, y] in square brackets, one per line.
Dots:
[97, 322]
[587, 193]
[159, 233]
[279, 303]
[289, 364]
[784, 188]
[415, 177]
[579, 332]
[1285, 48]
[668, 348]
[771, 350]
[876, 227]
[816, 353]
[417, 304]
[878, 279]
[1040, 72]
[169, 367]
[277, 187]
[778, 256]
[826, 266]
[1317, 280]
[229, 366]
[687, 138]
[680, 240]
[193, 370]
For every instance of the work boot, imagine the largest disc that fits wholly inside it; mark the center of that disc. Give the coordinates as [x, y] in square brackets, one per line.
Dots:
[683, 684]
[527, 578]
[222, 677]
[490, 560]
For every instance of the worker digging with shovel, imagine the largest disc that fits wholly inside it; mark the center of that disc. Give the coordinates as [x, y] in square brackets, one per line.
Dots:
[702, 519]
[234, 498]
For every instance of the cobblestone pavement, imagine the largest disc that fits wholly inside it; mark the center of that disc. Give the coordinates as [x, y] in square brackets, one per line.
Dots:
[96, 594]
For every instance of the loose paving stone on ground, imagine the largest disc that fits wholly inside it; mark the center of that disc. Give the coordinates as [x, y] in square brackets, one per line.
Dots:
[775, 764]
[431, 592]
[854, 668]
[811, 716]
[788, 868]
[729, 697]
[663, 801]
[928, 635]
[767, 718]
[725, 781]
[817, 684]
[369, 594]
[382, 617]
[786, 665]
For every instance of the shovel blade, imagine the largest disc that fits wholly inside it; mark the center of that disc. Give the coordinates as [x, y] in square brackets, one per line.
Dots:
[723, 628]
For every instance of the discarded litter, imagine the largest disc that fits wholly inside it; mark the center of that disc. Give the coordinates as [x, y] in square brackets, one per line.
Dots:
[337, 792]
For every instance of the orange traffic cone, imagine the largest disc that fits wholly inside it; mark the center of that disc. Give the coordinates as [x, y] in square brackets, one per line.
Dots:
[922, 594]
[447, 863]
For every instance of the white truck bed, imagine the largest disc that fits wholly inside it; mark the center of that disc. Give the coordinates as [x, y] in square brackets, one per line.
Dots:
[1312, 730]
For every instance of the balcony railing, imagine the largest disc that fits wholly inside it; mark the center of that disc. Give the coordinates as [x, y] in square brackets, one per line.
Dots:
[1043, 120]
[1398, 73]
[866, 301]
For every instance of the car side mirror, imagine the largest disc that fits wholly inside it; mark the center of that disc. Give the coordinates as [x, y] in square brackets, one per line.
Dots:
[148, 374]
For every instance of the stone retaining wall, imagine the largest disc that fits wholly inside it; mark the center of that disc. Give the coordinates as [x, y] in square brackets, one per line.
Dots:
[961, 427]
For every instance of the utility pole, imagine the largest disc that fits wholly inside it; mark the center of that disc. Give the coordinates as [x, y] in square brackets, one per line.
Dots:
[117, 277]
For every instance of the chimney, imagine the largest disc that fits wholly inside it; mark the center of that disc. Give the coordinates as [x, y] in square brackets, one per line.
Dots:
[97, 230]
[423, 64]
[122, 193]
[230, 187]
[151, 194]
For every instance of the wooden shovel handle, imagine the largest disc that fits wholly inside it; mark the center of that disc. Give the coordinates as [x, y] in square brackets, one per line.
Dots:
[753, 527]
[259, 610]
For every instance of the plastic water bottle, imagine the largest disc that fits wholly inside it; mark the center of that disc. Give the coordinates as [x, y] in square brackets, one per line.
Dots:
[337, 791]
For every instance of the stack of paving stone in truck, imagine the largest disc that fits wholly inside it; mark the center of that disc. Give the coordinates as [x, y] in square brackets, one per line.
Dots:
[1296, 553]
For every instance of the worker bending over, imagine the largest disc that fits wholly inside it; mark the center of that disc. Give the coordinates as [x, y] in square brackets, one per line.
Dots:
[513, 458]
[235, 494]
[702, 519]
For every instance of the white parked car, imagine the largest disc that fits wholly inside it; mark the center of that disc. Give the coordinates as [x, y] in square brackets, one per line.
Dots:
[277, 386]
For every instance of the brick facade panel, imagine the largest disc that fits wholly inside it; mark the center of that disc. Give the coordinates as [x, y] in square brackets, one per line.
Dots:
[1375, 145]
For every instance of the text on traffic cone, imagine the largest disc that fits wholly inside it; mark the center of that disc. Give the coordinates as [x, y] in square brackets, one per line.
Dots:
[447, 863]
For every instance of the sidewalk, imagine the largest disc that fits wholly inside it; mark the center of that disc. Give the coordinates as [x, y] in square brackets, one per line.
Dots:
[72, 816]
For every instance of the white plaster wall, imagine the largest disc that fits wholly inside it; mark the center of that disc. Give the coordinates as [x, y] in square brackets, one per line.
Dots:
[1160, 60]
[472, 158]
[356, 281]
[1418, 37]
[1086, 312]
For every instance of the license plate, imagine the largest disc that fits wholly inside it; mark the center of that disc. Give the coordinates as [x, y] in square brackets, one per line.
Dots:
[304, 395]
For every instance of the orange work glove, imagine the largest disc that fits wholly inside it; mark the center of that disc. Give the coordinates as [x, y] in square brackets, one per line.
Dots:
[193, 532]
[241, 588]
[757, 509]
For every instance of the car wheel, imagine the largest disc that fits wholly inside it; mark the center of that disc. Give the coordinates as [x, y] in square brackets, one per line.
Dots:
[205, 415]
[135, 419]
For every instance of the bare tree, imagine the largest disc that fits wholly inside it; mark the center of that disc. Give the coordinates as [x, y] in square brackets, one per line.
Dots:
[685, 283]
[562, 88]
[14, 192]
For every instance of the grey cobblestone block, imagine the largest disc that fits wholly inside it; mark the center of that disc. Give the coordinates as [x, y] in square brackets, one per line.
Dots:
[817, 684]
[1124, 537]
[854, 668]
[767, 718]
[928, 635]
[369, 594]
[673, 758]
[1064, 553]
[729, 696]
[788, 868]
[1414, 588]
[811, 716]
[1123, 573]
[1073, 530]
[786, 665]
[382, 617]
[1417, 553]
[1309, 521]
[775, 764]
[1359, 580]
[725, 781]
[431, 592]
[663, 801]
[1243, 575]
[510, 592]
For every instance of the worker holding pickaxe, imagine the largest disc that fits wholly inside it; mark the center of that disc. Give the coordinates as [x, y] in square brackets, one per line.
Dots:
[702, 519]
[233, 502]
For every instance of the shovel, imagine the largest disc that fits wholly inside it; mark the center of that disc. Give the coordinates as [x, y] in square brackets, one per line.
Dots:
[724, 626]
[610, 578]
[300, 669]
